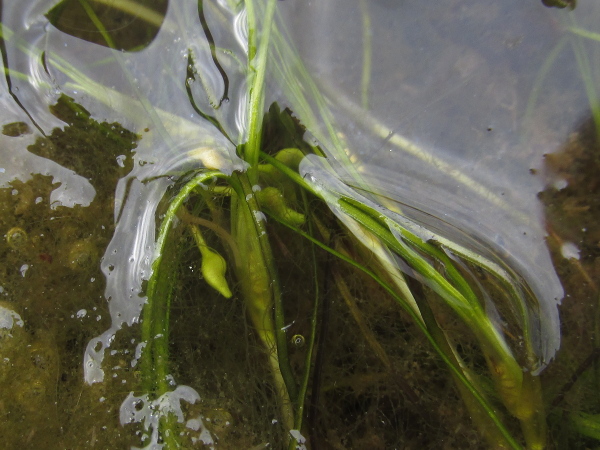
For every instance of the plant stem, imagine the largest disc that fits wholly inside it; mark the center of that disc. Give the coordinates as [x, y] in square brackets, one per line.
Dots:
[301, 398]
[257, 67]
[260, 287]
[154, 364]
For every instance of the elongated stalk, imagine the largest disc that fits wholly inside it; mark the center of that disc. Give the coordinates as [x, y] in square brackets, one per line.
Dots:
[308, 360]
[154, 364]
[257, 72]
[260, 287]
[149, 322]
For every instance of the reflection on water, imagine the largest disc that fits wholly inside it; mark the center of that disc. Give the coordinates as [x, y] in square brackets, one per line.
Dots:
[449, 97]
[461, 106]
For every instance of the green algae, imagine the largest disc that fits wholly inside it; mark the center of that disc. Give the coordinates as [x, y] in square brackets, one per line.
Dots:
[52, 279]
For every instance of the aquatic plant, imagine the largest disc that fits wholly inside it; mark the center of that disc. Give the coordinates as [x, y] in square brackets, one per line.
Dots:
[232, 192]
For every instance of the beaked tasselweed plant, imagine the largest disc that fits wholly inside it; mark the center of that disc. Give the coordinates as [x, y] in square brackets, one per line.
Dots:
[223, 201]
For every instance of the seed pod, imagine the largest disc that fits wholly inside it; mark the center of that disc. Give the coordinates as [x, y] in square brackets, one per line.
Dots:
[271, 199]
[213, 269]
[213, 266]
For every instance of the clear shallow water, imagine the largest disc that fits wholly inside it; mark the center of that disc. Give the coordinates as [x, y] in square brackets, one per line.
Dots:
[455, 82]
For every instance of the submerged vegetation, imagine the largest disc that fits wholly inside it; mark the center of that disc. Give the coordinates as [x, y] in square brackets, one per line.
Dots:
[366, 328]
